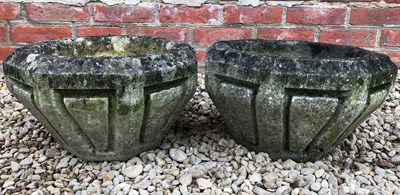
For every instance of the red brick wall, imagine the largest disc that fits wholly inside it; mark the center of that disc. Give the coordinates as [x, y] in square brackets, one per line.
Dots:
[371, 24]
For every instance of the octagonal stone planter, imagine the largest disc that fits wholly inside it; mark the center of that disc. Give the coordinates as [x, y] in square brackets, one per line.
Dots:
[104, 98]
[295, 100]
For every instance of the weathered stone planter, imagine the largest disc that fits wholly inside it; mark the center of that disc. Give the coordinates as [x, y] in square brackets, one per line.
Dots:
[295, 100]
[104, 98]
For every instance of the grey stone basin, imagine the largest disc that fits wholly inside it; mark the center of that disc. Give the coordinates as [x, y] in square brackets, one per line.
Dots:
[295, 100]
[104, 98]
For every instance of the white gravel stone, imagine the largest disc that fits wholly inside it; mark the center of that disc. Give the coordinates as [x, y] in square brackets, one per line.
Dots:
[197, 171]
[325, 191]
[8, 183]
[316, 186]
[324, 184]
[283, 190]
[204, 183]
[177, 154]
[270, 177]
[396, 160]
[289, 164]
[27, 161]
[319, 173]
[132, 171]
[63, 163]
[295, 191]
[186, 179]
[256, 178]
[15, 166]
[165, 184]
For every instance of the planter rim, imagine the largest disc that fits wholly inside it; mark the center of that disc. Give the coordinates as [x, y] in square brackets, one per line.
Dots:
[229, 45]
[226, 58]
[175, 51]
[33, 63]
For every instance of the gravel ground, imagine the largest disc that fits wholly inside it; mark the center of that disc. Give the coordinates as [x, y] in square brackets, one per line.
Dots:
[198, 156]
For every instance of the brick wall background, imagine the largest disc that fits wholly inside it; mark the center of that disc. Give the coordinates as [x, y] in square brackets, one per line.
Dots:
[371, 24]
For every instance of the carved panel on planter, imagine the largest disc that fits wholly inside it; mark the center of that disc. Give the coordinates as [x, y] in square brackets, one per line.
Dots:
[244, 94]
[24, 93]
[169, 94]
[375, 97]
[307, 116]
[91, 115]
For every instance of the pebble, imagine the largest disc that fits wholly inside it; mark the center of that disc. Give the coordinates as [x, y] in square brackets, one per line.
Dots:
[132, 171]
[315, 186]
[256, 178]
[204, 183]
[270, 177]
[197, 171]
[379, 171]
[319, 173]
[325, 191]
[186, 179]
[396, 160]
[283, 190]
[324, 184]
[27, 161]
[177, 155]
[15, 166]
[8, 183]
[165, 184]
[307, 171]
[109, 176]
[289, 164]
[63, 163]
[295, 191]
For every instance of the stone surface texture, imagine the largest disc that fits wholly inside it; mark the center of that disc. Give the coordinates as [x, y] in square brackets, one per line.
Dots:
[104, 98]
[295, 100]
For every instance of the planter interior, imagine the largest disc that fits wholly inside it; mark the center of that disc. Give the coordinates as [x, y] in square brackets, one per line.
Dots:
[104, 98]
[295, 99]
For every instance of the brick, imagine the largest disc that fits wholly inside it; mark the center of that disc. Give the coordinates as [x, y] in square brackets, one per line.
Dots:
[99, 30]
[390, 38]
[392, 1]
[350, 0]
[286, 34]
[315, 15]
[9, 11]
[361, 38]
[201, 57]
[394, 56]
[3, 34]
[185, 14]
[181, 34]
[375, 16]
[208, 36]
[247, 14]
[56, 12]
[31, 33]
[5, 51]
[123, 13]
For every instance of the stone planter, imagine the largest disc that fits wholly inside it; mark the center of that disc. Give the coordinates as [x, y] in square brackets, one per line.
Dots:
[295, 100]
[104, 98]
